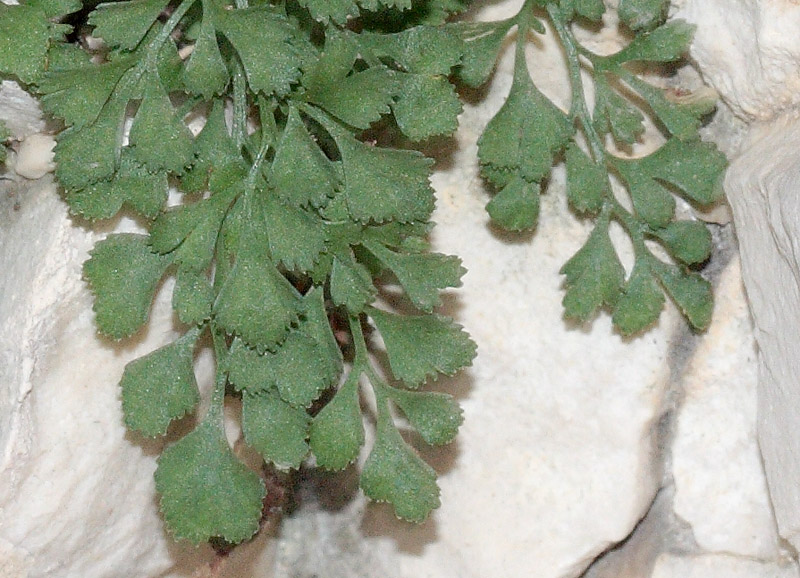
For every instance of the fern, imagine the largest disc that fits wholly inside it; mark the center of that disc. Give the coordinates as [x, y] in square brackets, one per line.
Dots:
[530, 134]
[290, 221]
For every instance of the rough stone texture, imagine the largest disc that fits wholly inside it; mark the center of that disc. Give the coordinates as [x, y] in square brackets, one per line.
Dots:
[549, 430]
[659, 531]
[762, 188]
[555, 430]
[568, 432]
[76, 493]
[749, 51]
[719, 566]
[720, 488]
[21, 112]
[555, 460]
[16, 562]
[77, 496]
[35, 156]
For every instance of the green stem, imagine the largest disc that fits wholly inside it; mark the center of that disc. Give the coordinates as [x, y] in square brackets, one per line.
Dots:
[266, 111]
[522, 19]
[381, 404]
[239, 129]
[215, 409]
[361, 365]
[630, 224]
[520, 61]
[593, 58]
[362, 355]
[222, 256]
[255, 168]
[579, 110]
[151, 60]
[379, 387]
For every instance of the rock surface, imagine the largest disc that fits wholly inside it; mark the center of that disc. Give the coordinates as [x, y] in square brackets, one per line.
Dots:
[762, 187]
[632, 458]
[35, 156]
[718, 566]
[720, 489]
[76, 492]
[548, 429]
[750, 52]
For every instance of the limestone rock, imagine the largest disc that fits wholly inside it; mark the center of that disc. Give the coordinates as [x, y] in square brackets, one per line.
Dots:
[35, 156]
[762, 189]
[559, 422]
[719, 566]
[20, 111]
[555, 461]
[749, 50]
[558, 458]
[76, 492]
[720, 489]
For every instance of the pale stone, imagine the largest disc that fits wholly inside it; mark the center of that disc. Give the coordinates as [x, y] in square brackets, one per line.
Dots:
[77, 496]
[658, 532]
[556, 462]
[749, 50]
[34, 158]
[763, 191]
[556, 459]
[720, 488]
[719, 566]
[76, 491]
[14, 562]
[19, 111]
[552, 435]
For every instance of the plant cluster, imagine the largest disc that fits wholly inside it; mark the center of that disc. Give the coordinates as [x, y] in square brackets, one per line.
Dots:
[294, 235]
[529, 134]
[287, 223]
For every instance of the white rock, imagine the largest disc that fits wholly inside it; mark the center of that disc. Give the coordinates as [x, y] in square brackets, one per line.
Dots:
[19, 111]
[77, 496]
[16, 563]
[76, 491]
[718, 566]
[558, 420]
[749, 50]
[763, 192]
[556, 459]
[720, 487]
[35, 156]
